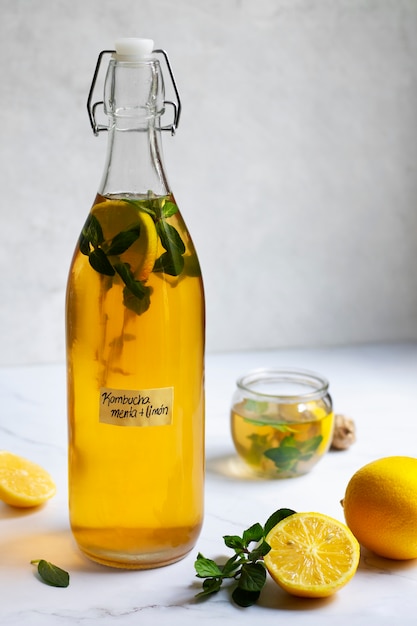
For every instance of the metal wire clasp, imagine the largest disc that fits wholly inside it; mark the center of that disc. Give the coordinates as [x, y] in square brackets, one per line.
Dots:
[91, 107]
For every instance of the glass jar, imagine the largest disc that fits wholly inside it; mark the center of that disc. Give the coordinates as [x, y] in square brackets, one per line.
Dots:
[282, 421]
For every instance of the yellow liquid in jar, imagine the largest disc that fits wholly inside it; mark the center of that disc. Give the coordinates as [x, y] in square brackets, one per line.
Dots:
[281, 440]
[135, 492]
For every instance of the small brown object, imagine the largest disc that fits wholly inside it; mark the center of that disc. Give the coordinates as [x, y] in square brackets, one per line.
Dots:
[344, 432]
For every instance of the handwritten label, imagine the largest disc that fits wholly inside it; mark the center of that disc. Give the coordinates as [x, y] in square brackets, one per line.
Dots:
[144, 407]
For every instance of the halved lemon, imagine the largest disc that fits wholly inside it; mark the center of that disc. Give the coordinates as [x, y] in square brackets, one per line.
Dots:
[22, 482]
[312, 555]
[116, 216]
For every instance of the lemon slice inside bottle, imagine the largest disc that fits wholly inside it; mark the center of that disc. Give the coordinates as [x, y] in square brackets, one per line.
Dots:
[116, 216]
[22, 482]
[312, 555]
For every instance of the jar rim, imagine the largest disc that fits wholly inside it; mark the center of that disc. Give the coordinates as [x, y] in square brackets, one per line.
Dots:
[316, 385]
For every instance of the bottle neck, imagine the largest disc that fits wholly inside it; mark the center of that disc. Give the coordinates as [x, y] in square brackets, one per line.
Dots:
[134, 163]
[134, 103]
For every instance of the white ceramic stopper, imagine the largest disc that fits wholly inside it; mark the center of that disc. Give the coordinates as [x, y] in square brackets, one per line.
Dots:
[133, 49]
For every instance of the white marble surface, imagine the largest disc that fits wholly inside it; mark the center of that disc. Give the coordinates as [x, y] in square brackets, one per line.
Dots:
[376, 385]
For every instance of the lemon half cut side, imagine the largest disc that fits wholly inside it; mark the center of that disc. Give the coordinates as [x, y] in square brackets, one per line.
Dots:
[312, 555]
[22, 482]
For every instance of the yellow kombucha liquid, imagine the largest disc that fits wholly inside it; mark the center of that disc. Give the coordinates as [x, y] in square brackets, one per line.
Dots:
[283, 440]
[135, 492]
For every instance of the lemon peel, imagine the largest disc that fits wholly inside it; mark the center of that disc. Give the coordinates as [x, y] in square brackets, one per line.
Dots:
[380, 506]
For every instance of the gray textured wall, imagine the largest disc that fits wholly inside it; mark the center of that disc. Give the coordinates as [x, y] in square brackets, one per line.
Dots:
[294, 165]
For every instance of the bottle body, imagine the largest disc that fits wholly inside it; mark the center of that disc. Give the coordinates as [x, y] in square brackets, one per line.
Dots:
[135, 342]
[135, 397]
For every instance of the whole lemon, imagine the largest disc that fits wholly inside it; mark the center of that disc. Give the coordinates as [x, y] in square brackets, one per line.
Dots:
[380, 506]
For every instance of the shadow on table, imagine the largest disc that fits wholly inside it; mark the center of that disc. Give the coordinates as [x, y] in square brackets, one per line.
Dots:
[10, 512]
[55, 546]
[231, 466]
[272, 597]
[377, 564]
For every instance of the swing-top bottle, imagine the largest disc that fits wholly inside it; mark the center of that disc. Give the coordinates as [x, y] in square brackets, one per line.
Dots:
[135, 338]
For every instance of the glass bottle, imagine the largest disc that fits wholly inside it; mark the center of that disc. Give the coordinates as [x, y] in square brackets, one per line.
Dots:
[135, 340]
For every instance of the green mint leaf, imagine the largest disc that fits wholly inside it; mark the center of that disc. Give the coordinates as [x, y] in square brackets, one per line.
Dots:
[91, 234]
[171, 263]
[289, 442]
[285, 456]
[206, 567]
[259, 552]
[245, 598]
[252, 576]
[290, 451]
[92, 231]
[254, 533]
[256, 407]
[99, 261]
[51, 574]
[264, 420]
[258, 444]
[169, 209]
[275, 518]
[122, 241]
[136, 287]
[84, 244]
[231, 566]
[210, 586]
[136, 295]
[310, 445]
[135, 304]
[170, 237]
[235, 542]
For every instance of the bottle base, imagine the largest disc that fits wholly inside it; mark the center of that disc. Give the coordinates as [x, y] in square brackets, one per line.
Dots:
[137, 561]
[133, 548]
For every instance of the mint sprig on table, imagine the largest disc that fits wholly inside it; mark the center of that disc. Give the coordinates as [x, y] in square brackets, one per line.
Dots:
[245, 568]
